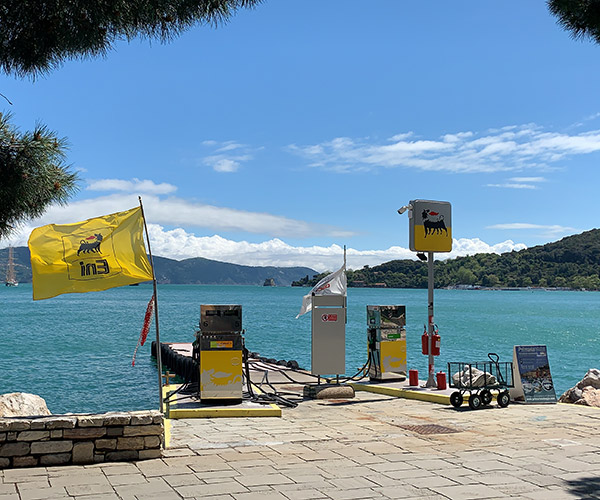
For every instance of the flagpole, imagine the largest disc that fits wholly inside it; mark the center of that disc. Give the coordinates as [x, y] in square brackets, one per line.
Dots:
[345, 296]
[158, 350]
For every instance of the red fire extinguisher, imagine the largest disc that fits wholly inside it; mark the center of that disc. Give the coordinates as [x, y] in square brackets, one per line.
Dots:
[425, 341]
[435, 342]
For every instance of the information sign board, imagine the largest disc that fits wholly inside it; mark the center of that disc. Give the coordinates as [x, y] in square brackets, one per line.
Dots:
[533, 381]
[430, 226]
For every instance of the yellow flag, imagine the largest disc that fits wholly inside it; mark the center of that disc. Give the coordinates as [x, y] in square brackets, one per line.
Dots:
[89, 256]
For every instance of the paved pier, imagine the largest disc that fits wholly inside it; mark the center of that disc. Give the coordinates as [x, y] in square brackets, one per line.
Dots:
[372, 446]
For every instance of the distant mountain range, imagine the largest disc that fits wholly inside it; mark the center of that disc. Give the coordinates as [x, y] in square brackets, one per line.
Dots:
[188, 271]
[573, 262]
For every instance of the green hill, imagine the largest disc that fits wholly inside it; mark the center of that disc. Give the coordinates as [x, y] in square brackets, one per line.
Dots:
[188, 271]
[573, 262]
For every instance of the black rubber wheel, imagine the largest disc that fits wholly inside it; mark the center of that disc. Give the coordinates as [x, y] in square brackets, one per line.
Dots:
[456, 399]
[475, 401]
[486, 396]
[503, 399]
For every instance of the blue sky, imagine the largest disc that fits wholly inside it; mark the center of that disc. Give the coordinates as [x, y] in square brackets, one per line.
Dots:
[302, 126]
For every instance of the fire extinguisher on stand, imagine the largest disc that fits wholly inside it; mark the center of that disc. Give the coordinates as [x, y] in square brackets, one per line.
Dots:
[435, 341]
[435, 345]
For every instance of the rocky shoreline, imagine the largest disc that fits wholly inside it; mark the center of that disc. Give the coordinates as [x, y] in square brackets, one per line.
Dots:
[586, 392]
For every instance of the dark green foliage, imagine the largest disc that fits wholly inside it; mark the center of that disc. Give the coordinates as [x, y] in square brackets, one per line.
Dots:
[573, 262]
[38, 35]
[580, 17]
[32, 174]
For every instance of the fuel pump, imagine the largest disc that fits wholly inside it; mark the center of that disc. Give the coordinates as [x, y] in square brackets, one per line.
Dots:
[386, 338]
[220, 342]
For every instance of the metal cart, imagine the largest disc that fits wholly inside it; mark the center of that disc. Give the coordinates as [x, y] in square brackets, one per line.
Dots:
[478, 379]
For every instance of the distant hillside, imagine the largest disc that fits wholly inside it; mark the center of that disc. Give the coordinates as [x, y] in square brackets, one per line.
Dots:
[212, 272]
[188, 271]
[573, 262]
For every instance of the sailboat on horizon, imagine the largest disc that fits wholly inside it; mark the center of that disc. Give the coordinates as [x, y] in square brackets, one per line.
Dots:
[11, 279]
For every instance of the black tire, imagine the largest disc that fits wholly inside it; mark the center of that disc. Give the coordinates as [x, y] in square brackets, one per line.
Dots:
[486, 396]
[456, 399]
[503, 399]
[475, 401]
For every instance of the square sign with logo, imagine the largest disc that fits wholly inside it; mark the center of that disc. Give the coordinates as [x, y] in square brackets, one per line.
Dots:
[430, 226]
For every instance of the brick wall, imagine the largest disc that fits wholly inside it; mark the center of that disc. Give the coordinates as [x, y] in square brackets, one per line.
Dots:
[80, 439]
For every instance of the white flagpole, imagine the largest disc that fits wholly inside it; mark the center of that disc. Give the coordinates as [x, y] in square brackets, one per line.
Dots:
[346, 294]
[158, 351]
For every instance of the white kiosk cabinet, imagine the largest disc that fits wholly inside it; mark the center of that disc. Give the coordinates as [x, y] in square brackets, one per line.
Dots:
[328, 335]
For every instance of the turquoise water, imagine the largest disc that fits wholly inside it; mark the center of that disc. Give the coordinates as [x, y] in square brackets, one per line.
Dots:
[75, 350]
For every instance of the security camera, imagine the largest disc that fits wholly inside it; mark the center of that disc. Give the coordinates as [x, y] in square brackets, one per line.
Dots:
[403, 209]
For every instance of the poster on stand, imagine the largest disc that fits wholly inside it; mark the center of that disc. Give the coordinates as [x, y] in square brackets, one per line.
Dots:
[533, 380]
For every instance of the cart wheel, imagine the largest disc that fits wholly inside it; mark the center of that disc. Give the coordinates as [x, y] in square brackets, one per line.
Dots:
[456, 399]
[503, 399]
[475, 401]
[486, 396]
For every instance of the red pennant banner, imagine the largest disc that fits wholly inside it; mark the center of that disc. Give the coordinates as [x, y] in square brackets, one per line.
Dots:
[145, 328]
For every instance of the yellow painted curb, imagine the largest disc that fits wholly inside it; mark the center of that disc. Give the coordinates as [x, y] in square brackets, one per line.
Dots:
[172, 412]
[167, 422]
[443, 399]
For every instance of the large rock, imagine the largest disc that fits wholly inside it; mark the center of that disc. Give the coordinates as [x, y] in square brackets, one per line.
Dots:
[591, 379]
[21, 404]
[586, 391]
[589, 397]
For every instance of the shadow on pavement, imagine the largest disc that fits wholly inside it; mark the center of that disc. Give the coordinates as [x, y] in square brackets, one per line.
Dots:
[585, 487]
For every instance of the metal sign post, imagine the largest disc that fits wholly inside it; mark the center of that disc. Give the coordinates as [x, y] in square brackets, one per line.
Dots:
[430, 230]
[430, 328]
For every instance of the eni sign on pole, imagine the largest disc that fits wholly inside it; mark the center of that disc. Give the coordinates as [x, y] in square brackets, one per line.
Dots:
[430, 227]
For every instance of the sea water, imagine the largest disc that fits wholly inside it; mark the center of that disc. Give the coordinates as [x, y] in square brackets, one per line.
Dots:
[76, 350]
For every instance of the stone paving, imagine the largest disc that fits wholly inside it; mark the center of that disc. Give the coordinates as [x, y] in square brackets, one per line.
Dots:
[369, 447]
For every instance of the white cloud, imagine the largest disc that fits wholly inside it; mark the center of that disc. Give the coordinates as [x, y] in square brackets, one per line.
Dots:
[520, 183]
[511, 148]
[526, 225]
[527, 179]
[133, 186]
[229, 146]
[179, 244]
[223, 159]
[175, 211]
[513, 185]
[224, 165]
[401, 137]
[545, 231]
[465, 246]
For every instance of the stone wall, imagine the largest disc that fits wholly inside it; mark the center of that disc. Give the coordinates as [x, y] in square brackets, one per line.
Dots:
[80, 439]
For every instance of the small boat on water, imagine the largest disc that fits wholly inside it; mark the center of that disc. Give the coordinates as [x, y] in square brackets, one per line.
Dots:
[11, 279]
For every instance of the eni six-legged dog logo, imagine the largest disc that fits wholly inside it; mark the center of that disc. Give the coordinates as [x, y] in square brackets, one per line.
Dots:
[433, 222]
[89, 261]
[430, 226]
[90, 244]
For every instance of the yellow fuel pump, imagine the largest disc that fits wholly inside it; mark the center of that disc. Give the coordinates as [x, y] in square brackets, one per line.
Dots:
[386, 337]
[220, 342]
